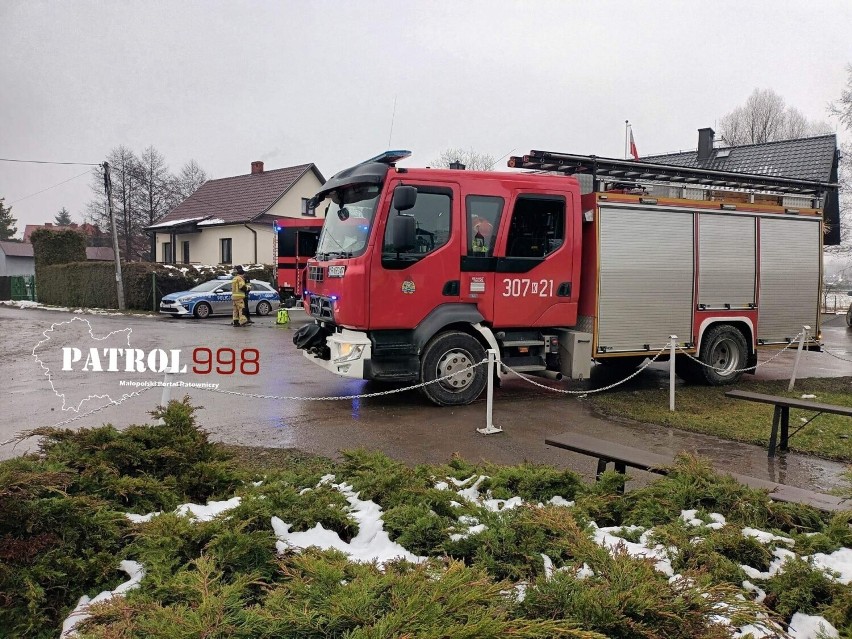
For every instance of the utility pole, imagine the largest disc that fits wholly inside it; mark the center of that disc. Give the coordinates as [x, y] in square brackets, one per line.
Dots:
[119, 285]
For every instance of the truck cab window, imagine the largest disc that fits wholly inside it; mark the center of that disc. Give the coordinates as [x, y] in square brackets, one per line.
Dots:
[432, 213]
[537, 227]
[483, 220]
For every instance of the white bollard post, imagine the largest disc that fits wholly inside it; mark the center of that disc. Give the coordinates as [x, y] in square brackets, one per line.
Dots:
[490, 429]
[167, 393]
[672, 372]
[802, 338]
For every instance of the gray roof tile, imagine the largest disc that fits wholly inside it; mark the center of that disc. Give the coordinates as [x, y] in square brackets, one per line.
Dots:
[241, 198]
[804, 158]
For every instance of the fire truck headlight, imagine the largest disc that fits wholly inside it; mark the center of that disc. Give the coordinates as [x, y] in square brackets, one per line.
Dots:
[349, 352]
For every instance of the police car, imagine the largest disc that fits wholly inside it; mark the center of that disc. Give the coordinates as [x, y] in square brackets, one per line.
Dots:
[214, 298]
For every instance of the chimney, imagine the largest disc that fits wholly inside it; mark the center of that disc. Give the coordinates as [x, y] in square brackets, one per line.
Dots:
[257, 167]
[705, 144]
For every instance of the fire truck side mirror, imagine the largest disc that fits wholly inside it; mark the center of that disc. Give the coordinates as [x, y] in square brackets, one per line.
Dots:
[404, 197]
[403, 232]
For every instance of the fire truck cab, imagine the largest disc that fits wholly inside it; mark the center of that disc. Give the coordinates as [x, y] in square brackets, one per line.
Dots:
[419, 271]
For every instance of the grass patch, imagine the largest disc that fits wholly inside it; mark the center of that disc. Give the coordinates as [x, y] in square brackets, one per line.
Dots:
[63, 532]
[704, 409]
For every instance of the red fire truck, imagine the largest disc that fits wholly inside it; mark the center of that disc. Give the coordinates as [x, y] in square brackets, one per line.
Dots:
[419, 271]
[296, 242]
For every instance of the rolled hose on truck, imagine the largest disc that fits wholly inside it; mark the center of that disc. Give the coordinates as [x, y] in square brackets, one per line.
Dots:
[311, 338]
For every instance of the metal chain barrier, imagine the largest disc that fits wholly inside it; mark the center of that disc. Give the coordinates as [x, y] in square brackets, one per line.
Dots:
[835, 356]
[740, 370]
[392, 391]
[587, 392]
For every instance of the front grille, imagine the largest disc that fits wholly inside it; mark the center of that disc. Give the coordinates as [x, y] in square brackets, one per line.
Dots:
[315, 273]
[322, 308]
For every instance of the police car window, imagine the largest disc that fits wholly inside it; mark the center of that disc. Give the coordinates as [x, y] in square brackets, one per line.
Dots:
[432, 213]
[483, 220]
[537, 227]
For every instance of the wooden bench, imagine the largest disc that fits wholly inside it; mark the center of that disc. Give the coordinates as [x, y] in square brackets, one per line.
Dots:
[781, 417]
[623, 456]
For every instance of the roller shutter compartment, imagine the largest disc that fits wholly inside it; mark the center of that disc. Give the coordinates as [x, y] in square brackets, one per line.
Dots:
[726, 263]
[789, 277]
[646, 278]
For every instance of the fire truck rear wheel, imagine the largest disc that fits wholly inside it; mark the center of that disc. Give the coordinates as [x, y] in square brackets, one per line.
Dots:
[725, 349]
[445, 354]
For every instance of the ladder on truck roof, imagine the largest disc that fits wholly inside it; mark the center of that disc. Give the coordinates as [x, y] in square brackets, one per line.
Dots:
[634, 170]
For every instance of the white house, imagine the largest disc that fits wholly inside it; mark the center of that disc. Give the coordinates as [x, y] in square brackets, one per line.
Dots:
[230, 220]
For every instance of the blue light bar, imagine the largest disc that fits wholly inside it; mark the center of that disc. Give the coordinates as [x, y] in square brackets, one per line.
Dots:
[389, 157]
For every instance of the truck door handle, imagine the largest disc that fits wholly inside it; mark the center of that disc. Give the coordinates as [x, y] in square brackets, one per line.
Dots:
[451, 288]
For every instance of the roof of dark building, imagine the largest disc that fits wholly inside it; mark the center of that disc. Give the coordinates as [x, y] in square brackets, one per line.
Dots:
[803, 158]
[237, 199]
[25, 249]
[17, 249]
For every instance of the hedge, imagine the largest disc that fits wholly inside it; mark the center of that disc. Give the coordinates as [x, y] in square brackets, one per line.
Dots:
[92, 284]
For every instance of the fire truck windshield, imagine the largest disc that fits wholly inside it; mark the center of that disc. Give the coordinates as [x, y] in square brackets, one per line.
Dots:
[349, 214]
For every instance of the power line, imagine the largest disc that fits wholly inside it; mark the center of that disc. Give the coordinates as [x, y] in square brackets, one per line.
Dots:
[50, 187]
[49, 162]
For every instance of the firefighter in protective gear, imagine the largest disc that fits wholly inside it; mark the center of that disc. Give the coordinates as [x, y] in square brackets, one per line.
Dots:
[482, 228]
[238, 295]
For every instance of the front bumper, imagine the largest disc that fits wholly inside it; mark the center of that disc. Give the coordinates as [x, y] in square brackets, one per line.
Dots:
[348, 350]
[173, 308]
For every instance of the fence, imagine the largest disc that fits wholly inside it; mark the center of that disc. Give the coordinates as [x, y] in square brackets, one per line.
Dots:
[17, 287]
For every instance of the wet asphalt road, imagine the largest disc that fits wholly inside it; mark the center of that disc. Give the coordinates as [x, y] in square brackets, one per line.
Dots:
[405, 425]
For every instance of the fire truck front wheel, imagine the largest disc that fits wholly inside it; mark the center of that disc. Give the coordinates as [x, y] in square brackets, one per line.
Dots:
[725, 350]
[451, 355]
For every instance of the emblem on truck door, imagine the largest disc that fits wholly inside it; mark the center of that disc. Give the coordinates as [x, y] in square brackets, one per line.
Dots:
[408, 286]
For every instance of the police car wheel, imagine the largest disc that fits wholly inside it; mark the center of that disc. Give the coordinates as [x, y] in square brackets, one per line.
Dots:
[263, 308]
[202, 310]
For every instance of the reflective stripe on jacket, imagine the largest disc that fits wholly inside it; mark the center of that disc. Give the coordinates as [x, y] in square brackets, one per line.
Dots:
[237, 287]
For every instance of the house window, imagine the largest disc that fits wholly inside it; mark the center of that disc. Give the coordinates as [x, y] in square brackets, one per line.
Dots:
[537, 227]
[167, 252]
[307, 210]
[225, 250]
[185, 246]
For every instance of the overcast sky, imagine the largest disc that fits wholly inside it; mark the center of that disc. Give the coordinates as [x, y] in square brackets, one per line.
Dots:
[230, 82]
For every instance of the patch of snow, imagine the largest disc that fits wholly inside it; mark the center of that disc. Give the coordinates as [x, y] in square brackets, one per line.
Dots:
[211, 222]
[658, 554]
[804, 626]
[839, 561]
[690, 517]
[760, 594]
[766, 537]
[455, 504]
[521, 591]
[134, 570]
[585, 572]
[556, 500]
[442, 485]
[141, 519]
[460, 482]
[756, 631]
[808, 396]
[472, 493]
[497, 505]
[257, 483]
[371, 543]
[548, 566]
[199, 512]
[781, 557]
[305, 490]
[208, 512]
[719, 521]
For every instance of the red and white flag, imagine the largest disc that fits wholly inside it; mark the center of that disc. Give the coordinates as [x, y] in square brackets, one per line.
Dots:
[633, 150]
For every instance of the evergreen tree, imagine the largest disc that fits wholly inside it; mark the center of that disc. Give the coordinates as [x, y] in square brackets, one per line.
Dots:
[7, 222]
[63, 218]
